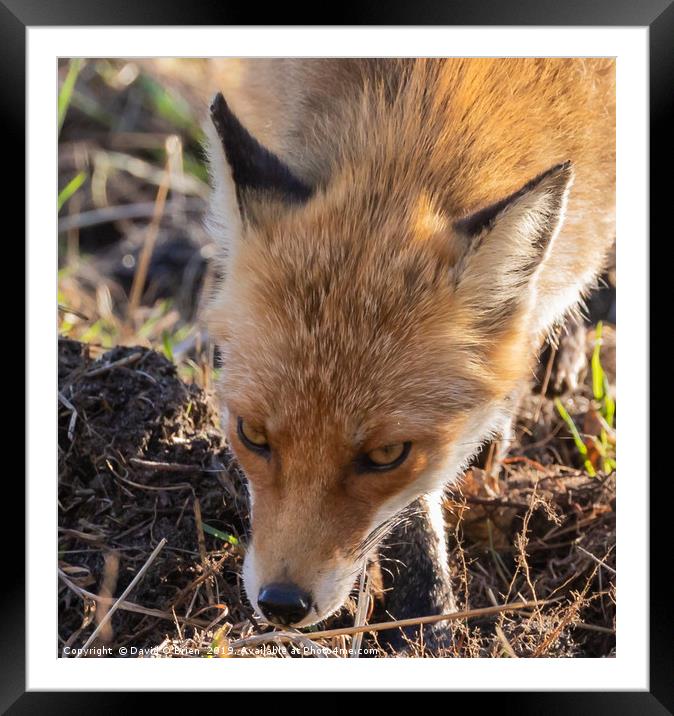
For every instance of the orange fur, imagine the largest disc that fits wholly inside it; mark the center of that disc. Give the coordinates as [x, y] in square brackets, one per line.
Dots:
[365, 317]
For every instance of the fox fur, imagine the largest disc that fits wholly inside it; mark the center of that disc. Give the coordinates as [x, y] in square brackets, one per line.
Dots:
[396, 238]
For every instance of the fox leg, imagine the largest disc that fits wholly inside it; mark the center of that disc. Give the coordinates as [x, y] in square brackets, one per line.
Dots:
[415, 575]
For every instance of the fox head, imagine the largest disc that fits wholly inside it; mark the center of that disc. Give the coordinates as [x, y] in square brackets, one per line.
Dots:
[370, 344]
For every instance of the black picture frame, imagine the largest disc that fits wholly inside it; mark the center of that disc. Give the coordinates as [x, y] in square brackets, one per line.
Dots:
[658, 15]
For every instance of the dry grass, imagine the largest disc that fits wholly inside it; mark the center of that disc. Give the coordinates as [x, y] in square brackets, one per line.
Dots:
[142, 458]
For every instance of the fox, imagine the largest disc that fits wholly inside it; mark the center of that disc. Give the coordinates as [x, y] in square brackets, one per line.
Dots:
[396, 238]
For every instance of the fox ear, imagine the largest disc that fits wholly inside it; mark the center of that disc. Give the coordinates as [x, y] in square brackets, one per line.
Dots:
[504, 244]
[254, 168]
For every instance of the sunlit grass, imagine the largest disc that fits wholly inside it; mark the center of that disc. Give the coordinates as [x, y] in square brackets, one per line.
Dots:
[67, 88]
[170, 105]
[605, 404]
[224, 536]
[602, 412]
[70, 188]
[577, 439]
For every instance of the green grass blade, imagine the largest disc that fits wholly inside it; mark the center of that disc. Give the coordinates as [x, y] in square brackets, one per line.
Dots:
[224, 536]
[171, 106]
[600, 384]
[580, 445]
[597, 370]
[70, 188]
[66, 91]
[168, 345]
[609, 405]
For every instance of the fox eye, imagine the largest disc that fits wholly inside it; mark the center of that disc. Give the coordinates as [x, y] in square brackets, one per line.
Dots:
[253, 438]
[385, 458]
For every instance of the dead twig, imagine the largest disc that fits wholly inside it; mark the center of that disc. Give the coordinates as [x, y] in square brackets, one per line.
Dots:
[72, 311]
[152, 488]
[109, 214]
[596, 559]
[526, 460]
[212, 569]
[127, 360]
[125, 593]
[199, 526]
[163, 466]
[129, 606]
[499, 631]
[73, 416]
[148, 246]
[398, 624]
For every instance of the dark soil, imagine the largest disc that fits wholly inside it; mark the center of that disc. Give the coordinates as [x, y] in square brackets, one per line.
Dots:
[110, 503]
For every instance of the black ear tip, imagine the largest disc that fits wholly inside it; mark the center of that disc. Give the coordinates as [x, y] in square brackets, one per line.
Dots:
[561, 173]
[218, 104]
[253, 166]
[563, 168]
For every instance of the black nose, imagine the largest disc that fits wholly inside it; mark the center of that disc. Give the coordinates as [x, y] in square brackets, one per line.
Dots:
[284, 603]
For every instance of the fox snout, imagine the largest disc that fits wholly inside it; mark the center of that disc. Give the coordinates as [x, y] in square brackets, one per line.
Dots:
[287, 603]
[284, 604]
[299, 570]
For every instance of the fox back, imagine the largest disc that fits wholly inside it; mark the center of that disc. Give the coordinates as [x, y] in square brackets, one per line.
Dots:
[396, 237]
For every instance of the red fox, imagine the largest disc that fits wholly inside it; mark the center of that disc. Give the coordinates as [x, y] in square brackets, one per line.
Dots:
[396, 238]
